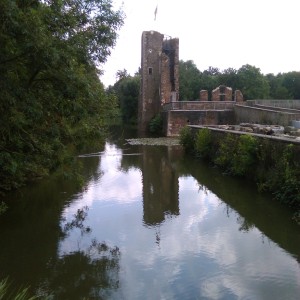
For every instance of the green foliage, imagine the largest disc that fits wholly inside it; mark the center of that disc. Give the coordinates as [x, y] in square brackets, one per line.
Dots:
[50, 92]
[248, 79]
[252, 83]
[3, 208]
[277, 90]
[225, 151]
[127, 90]
[189, 83]
[274, 166]
[203, 143]
[284, 178]
[6, 294]
[186, 138]
[244, 159]
[291, 81]
[156, 124]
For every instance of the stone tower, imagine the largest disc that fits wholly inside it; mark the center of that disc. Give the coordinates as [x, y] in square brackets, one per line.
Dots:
[159, 72]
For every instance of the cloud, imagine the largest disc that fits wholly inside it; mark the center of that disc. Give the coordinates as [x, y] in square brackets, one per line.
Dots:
[215, 33]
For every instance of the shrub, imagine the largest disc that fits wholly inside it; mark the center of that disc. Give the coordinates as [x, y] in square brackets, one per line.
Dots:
[186, 139]
[245, 157]
[226, 150]
[285, 179]
[203, 143]
[156, 124]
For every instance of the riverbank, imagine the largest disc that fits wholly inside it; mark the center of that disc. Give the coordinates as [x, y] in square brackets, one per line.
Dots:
[272, 165]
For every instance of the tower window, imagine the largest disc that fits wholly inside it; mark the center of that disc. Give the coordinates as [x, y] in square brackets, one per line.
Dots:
[150, 71]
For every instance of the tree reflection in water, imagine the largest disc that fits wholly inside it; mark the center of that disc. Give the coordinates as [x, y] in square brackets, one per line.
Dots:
[83, 274]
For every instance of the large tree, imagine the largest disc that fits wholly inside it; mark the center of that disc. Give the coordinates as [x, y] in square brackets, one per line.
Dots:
[291, 81]
[127, 90]
[51, 96]
[252, 83]
[189, 80]
[277, 90]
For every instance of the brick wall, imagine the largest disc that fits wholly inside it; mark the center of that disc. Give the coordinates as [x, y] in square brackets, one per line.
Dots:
[173, 121]
[203, 96]
[221, 93]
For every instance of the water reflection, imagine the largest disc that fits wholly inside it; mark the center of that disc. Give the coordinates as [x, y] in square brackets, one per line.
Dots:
[150, 224]
[160, 186]
[91, 272]
[254, 210]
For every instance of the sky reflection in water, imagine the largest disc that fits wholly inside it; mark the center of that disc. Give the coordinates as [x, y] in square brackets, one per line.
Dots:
[192, 247]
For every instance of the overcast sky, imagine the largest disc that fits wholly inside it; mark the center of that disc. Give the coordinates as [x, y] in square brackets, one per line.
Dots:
[218, 33]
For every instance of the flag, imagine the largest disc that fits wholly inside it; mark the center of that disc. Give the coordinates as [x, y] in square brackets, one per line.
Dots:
[155, 13]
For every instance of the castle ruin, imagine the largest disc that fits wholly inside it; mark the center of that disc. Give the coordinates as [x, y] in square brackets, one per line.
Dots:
[159, 73]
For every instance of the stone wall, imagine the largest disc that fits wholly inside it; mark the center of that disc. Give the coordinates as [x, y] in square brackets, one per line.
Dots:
[238, 96]
[203, 95]
[174, 120]
[159, 75]
[149, 102]
[249, 114]
[293, 104]
[199, 105]
[169, 84]
[221, 93]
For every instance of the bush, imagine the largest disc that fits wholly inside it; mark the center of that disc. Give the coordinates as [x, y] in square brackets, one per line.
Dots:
[156, 124]
[284, 181]
[186, 138]
[245, 157]
[203, 143]
[225, 151]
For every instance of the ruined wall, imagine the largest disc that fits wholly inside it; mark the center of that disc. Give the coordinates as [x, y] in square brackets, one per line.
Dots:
[203, 96]
[248, 114]
[173, 120]
[169, 85]
[160, 73]
[149, 102]
[292, 104]
[221, 93]
[238, 96]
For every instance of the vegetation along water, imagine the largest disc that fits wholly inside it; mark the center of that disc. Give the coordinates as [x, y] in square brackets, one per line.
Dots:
[128, 218]
[148, 223]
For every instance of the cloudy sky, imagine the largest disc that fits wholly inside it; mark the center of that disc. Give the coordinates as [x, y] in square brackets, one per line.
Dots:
[218, 33]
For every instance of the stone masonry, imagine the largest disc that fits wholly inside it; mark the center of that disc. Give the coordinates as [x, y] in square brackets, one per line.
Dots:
[221, 93]
[238, 96]
[203, 95]
[159, 73]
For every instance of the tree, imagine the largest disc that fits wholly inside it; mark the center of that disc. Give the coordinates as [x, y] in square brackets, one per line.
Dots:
[229, 78]
[121, 74]
[277, 90]
[252, 83]
[50, 93]
[209, 80]
[291, 81]
[127, 90]
[189, 83]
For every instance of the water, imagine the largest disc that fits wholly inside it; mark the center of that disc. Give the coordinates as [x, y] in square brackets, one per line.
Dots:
[149, 223]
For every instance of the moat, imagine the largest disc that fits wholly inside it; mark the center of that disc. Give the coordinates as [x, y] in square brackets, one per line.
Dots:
[149, 223]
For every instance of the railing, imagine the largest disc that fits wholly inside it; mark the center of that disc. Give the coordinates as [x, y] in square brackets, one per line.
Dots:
[199, 105]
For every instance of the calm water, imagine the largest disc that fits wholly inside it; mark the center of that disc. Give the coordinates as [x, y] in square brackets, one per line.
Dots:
[149, 223]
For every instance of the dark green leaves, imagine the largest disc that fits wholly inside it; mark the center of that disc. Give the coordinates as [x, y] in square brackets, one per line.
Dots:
[51, 95]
